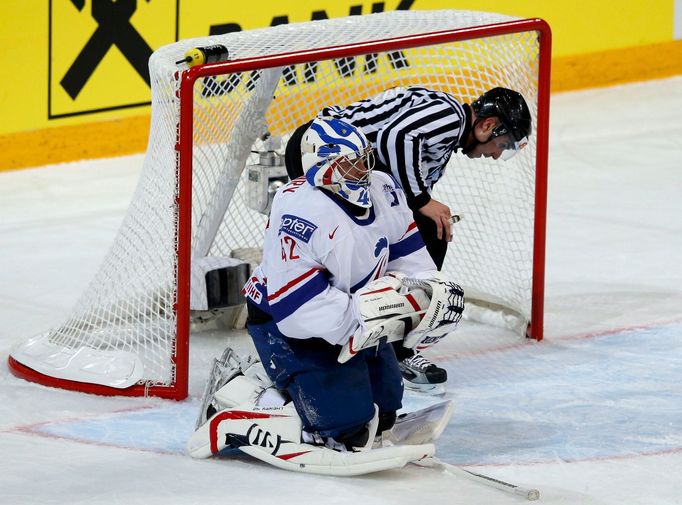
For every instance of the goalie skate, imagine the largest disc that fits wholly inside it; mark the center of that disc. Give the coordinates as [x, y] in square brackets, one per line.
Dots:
[423, 376]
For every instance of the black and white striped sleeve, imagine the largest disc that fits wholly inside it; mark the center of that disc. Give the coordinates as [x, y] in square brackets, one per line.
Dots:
[401, 142]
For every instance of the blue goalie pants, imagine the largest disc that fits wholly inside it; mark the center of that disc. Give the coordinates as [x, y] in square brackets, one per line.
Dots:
[332, 398]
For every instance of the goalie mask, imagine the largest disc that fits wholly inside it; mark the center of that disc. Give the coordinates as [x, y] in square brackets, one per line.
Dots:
[338, 157]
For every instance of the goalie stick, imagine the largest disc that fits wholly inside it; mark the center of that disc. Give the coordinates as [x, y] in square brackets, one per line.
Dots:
[426, 425]
[530, 494]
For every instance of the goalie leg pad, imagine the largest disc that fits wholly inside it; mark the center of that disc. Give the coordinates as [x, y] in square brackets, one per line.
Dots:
[243, 390]
[236, 381]
[234, 427]
[323, 461]
[273, 436]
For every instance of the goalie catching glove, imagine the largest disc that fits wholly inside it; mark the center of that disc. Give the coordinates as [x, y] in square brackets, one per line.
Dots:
[395, 307]
[441, 317]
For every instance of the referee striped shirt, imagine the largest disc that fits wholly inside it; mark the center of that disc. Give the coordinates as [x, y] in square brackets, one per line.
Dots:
[414, 132]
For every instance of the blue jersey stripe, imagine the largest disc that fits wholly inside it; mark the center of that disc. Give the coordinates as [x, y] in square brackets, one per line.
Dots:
[290, 303]
[405, 247]
[377, 268]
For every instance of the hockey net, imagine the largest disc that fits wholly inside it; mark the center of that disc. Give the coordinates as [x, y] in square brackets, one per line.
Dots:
[129, 333]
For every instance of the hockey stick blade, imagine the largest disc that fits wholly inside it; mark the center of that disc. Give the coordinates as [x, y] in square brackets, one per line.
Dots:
[527, 493]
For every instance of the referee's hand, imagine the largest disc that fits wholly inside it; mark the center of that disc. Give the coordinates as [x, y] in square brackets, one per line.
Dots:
[440, 214]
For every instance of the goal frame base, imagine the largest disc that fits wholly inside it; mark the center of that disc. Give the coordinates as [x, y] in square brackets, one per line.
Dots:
[23, 372]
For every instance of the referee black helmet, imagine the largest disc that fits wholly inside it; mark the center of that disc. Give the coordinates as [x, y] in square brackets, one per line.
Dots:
[510, 107]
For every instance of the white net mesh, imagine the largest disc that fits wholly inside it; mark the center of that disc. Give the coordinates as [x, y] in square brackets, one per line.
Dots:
[129, 306]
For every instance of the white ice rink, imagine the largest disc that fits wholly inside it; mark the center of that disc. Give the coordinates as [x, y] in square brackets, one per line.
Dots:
[591, 415]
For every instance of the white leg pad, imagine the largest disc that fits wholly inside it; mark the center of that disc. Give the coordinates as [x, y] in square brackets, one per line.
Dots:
[225, 428]
[273, 435]
[241, 390]
[244, 389]
[320, 460]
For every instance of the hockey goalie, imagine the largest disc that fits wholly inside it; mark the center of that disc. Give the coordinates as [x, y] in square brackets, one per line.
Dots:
[345, 273]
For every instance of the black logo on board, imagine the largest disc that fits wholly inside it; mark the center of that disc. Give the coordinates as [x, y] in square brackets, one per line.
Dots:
[113, 29]
[87, 38]
[345, 67]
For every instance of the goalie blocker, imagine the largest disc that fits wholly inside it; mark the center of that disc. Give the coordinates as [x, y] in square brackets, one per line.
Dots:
[420, 312]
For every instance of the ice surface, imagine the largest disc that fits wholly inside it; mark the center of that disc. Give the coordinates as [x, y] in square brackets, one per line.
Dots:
[591, 415]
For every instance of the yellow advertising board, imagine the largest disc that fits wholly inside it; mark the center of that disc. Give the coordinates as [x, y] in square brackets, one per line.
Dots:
[84, 62]
[98, 53]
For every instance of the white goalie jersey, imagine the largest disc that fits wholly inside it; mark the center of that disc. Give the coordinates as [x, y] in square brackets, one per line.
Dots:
[317, 253]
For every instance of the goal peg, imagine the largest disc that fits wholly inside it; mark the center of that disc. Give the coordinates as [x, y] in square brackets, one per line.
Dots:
[203, 55]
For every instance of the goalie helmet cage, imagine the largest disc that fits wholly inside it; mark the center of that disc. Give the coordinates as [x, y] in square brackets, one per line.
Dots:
[129, 332]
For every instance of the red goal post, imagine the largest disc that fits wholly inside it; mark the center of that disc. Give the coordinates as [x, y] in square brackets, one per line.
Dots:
[115, 347]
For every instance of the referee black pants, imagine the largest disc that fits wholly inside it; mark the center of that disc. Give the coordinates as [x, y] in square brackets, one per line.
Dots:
[435, 246]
